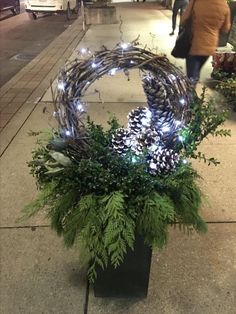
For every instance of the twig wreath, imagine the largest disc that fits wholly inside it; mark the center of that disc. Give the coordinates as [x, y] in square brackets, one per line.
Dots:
[100, 188]
[156, 128]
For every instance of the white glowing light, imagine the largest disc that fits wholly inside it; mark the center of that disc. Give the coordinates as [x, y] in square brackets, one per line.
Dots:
[61, 86]
[132, 62]
[185, 161]
[79, 107]
[182, 101]
[153, 148]
[94, 65]
[124, 45]
[147, 77]
[54, 114]
[181, 138]
[165, 129]
[152, 165]
[134, 159]
[83, 50]
[172, 77]
[145, 121]
[178, 123]
[113, 71]
[67, 132]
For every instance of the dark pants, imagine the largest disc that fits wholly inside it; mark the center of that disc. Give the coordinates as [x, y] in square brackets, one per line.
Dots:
[178, 6]
[193, 67]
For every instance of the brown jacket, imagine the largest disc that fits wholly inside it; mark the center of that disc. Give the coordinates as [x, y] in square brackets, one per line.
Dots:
[209, 17]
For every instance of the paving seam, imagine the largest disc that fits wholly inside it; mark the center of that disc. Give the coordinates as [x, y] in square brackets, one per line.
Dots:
[49, 226]
[86, 301]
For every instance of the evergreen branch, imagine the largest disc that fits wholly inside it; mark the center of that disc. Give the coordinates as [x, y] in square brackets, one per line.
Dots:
[158, 211]
[39, 203]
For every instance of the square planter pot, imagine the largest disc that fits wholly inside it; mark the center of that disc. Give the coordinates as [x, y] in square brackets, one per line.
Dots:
[130, 279]
[97, 14]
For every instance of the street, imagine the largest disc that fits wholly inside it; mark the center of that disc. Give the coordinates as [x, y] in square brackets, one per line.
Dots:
[22, 39]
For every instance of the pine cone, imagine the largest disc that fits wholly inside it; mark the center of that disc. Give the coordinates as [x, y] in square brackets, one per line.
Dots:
[151, 139]
[139, 119]
[155, 91]
[121, 141]
[137, 143]
[163, 161]
[159, 102]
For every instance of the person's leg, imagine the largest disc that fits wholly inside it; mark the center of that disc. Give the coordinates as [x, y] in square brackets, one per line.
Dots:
[174, 17]
[194, 65]
[182, 8]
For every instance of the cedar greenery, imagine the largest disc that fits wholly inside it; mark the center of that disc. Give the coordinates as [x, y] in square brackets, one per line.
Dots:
[101, 200]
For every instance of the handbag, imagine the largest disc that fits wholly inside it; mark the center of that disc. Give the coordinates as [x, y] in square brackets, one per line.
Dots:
[184, 40]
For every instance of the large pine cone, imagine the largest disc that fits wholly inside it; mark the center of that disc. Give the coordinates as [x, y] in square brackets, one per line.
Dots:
[139, 120]
[163, 161]
[121, 141]
[151, 139]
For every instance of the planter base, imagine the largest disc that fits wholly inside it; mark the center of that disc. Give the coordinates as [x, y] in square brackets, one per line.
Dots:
[130, 279]
[100, 14]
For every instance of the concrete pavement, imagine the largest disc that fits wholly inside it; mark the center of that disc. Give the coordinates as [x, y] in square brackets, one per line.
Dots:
[193, 274]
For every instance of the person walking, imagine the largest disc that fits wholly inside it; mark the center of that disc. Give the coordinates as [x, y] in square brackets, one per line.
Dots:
[179, 6]
[208, 19]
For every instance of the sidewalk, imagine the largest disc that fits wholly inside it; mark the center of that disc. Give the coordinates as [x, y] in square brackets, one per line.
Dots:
[193, 274]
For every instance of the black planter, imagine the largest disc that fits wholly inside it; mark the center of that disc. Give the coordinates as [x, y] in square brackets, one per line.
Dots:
[130, 279]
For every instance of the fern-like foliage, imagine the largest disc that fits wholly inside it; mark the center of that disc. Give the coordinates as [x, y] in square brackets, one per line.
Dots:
[46, 196]
[158, 211]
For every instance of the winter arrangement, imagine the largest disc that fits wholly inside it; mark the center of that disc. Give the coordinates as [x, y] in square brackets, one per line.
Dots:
[100, 187]
[224, 75]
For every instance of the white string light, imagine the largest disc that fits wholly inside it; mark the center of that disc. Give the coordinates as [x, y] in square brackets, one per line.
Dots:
[181, 138]
[67, 132]
[83, 50]
[113, 71]
[124, 45]
[61, 86]
[165, 129]
[182, 101]
[178, 123]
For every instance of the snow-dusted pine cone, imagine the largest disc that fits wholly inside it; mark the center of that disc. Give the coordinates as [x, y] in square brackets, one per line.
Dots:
[163, 161]
[155, 91]
[139, 119]
[121, 141]
[151, 139]
[158, 101]
[137, 143]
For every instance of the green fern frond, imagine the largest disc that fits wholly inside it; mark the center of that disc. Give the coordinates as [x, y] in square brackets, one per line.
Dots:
[40, 202]
[61, 209]
[187, 204]
[119, 228]
[158, 211]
